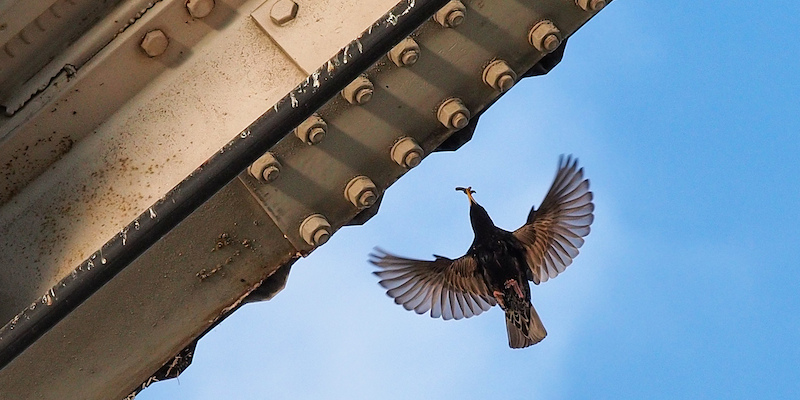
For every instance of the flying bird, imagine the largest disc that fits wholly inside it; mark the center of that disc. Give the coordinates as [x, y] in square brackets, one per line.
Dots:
[499, 263]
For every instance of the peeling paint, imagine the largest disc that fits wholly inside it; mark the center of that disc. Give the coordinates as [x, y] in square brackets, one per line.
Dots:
[295, 103]
[153, 212]
[315, 79]
[392, 19]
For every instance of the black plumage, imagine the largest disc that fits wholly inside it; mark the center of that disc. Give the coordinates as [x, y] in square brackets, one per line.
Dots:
[499, 264]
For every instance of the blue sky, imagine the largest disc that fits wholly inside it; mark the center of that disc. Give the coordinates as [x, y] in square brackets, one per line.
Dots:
[685, 117]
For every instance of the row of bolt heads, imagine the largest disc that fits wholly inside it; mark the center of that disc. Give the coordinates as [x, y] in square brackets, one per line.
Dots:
[406, 152]
[282, 12]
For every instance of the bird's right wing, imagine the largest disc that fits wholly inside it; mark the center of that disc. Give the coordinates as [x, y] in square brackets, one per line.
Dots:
[451, 289]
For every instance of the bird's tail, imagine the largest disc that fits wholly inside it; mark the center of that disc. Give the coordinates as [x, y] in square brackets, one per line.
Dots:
[524, 327]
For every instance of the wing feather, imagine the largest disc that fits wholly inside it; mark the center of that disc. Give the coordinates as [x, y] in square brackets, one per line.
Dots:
[553, 234]
[451, 289]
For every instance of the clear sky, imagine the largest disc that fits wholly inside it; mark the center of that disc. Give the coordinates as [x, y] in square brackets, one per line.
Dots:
[686, 117]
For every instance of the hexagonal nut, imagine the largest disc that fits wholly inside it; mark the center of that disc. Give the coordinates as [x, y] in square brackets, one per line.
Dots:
[283, 12]
[451, 15]
[155, 43]
[315, 230]
[499, 76]
[407, 153]
[361, 191]
[545, 37]
[406, 53]
[199, 8]
[591, 5]
[359, 91]
[453, 114]
[312, 130]
[266, 169]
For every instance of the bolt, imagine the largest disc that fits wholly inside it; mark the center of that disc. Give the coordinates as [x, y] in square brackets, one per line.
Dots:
[283, 11]
[270, 173]
[315, 230]
[361, 191]
[453, 114]
[359, 91]
[545, 36]
[312, 130]
[405, 53]
[591, 5]
[451, 15]
[266, 169]
[406, 153]
[199, 8]
[499, 76]
[155, 43]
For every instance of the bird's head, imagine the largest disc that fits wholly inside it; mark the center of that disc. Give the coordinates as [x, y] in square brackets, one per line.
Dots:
[468, 191]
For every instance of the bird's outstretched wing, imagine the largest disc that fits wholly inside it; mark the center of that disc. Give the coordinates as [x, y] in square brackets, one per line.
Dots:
[451, 289]
[554, 233]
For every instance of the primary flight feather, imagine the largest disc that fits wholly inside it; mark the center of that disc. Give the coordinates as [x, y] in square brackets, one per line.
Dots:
[499, 263]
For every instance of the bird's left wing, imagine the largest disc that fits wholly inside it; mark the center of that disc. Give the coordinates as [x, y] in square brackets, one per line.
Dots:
[554, 233]
[451, 289]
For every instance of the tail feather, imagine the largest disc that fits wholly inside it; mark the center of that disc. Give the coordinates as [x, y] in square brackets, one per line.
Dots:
[524, 328]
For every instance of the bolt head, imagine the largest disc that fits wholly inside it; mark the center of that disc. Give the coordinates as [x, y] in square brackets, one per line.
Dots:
[459, 120]
[316, 134]
[545, 36]
[591, 5]
[451, 15]
[597, 5]
[406, 153]
[455, 18]
[361, 191]
[315, 230]
[409, 57]
[359, 91]
[363, 95]
[270, 173]
[199, 8]
[155, 43]
[499, 75]
[266, 169]
[551, 42]
[321, 237]
[283, 12]
[453, 114]
[405, 53]
[367, 199]
[505, 82]
[412, 159]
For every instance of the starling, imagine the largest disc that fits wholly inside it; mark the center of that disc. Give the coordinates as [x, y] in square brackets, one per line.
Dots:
[499, 263]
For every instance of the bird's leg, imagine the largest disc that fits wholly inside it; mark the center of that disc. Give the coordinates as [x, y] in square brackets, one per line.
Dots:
[498, 295]
[513, 283]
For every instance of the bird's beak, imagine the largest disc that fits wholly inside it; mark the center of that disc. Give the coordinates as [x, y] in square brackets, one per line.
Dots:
[468, 191]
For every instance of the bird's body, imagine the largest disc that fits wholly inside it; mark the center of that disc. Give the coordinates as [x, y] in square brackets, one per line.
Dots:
[499, 263]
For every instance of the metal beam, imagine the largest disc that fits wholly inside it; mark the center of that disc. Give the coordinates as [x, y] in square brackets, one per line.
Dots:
[213, 175]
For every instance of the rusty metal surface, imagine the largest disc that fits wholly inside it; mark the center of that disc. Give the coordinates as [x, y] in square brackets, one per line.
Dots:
[155, 307]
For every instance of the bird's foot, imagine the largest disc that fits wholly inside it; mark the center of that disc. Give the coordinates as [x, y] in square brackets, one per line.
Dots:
[513, 283]
[498, 295]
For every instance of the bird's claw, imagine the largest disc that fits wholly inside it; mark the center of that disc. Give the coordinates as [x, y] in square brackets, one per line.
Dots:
[513, 283]
[498, 295]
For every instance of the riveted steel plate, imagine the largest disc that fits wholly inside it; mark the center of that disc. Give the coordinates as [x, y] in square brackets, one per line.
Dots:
[404, 103]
